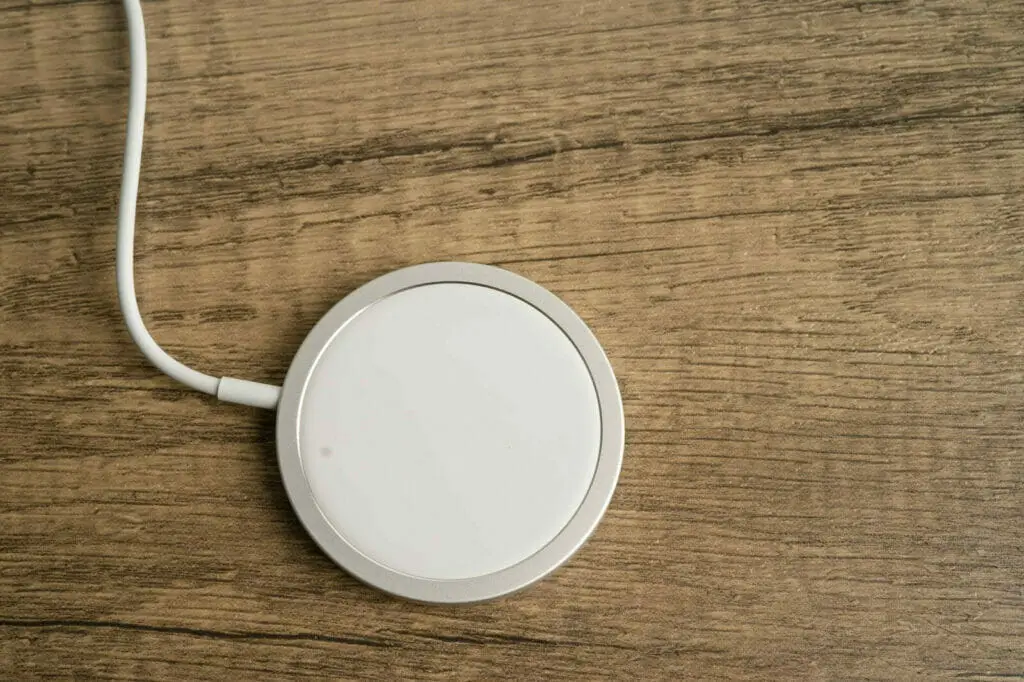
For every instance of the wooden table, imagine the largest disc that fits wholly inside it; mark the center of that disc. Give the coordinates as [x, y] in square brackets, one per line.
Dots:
[797, 227]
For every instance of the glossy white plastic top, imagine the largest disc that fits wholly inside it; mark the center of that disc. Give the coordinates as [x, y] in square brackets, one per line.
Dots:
[449, 431]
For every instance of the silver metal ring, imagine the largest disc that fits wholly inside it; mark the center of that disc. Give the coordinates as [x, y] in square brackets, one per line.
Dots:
[515, 577]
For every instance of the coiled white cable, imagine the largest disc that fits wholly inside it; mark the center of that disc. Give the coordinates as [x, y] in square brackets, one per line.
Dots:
[225, 388]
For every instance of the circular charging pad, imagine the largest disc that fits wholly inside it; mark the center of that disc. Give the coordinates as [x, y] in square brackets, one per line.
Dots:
[450, 432]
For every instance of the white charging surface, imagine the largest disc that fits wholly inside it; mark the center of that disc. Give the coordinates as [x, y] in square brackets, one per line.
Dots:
[449, 431]
[442, 428]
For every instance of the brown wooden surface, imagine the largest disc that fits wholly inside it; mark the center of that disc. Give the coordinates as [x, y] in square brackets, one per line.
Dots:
[797, 227]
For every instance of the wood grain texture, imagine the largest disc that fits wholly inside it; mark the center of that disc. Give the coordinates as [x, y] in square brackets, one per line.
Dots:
[796, 226]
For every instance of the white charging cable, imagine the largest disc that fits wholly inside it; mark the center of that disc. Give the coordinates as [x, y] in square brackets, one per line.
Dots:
[225, 388]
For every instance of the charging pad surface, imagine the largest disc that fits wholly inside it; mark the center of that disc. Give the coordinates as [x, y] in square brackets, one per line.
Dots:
[450, 432]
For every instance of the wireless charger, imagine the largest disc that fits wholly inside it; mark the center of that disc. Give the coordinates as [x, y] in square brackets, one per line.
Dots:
[448, 432]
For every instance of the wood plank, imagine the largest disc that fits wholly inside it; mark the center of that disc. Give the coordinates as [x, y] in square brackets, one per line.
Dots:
[797, 228]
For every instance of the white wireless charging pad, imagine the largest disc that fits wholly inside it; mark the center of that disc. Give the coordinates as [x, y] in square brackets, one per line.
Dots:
[450, 432]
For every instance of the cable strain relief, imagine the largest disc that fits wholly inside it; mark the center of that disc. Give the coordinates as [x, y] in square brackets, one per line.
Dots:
[249, 393]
